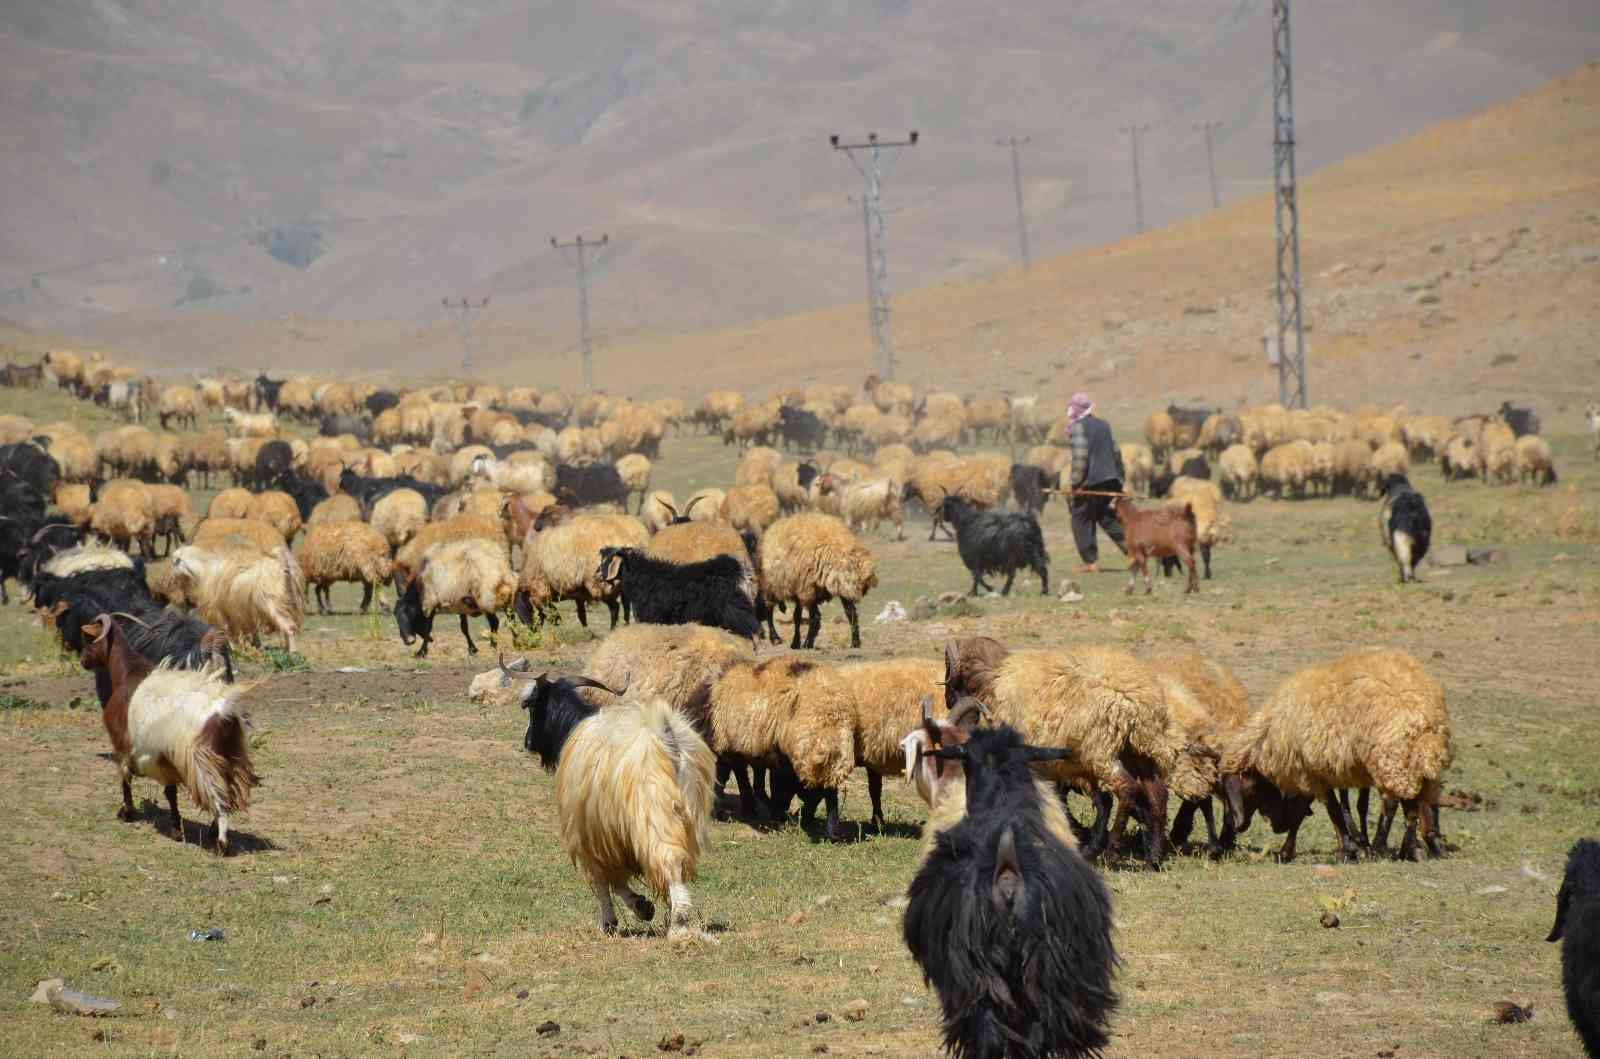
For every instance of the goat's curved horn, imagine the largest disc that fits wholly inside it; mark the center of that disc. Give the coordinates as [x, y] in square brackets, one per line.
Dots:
[590, 682]
[692, 502]
[505, 671]
[967, 709]
[104, 621]
[669, 507]
[130, 617]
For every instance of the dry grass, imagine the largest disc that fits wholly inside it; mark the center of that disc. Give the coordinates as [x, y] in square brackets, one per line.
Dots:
[404, 889]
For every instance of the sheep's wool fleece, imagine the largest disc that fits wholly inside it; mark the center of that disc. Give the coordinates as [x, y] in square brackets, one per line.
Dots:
[791, 705]
[85, 558]
[809, 556]
[165, 715]
[633, 795]
[563, 561]
[458, 570]
[886, 703]
[678, 663]
[1097, 700]
[1204, 698]
[1373, 718]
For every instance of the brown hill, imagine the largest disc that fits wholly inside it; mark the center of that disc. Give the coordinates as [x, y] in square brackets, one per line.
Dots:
[158, 155]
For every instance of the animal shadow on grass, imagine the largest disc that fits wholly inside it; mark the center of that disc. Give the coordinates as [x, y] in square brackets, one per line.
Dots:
[853, 831]
[199, 833]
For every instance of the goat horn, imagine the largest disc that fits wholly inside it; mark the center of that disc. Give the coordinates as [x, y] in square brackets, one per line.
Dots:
[692, 502]
[668, 506]
[130, 617]
[590, 682]
[104, 621]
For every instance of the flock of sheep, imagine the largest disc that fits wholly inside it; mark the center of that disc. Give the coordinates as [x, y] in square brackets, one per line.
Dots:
[436, 491]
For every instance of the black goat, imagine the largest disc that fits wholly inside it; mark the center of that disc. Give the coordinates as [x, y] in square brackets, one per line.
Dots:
[589, 485]
[359, 427]
[29, 463]
[1029, 485]
[368, 491]
[1521, 420]
[307, 493]
[1405, 524]
[801, 428]
[273, 460]
[1001, 542]
[413, 622]
[380, 401]
[1578, 929]
[267, 391]
[714, 592]
[47, 541]
[554, 709]
[1188, 422]
[1194, 467]
[1010, 925]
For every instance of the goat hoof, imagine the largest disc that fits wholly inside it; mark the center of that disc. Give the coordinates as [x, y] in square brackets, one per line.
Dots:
[1215, 851]
[646, 910]
[126, 815]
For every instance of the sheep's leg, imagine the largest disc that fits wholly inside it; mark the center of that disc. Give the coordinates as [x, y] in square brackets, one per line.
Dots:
[1151, 808]
[1183, 822]
[1298, 809]
[1409, 847]
[1205, 554]
[1363, 802]
[126, 813]
[1098, 836]
[814, 626]
[641, 906]
[875, 792]
[1380, 840]
[608, 911]
[583, 615]
[171, 791]
[1215, 847]
[830, 797]
[494, 628]
[466, 630]
[366, 596]
[616, 609]
[794, 644]
[855, 621]
[1347, 845]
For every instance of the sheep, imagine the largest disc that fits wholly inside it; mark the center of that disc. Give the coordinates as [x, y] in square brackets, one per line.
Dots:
[590, 485]
[1159, 533]
[1207, 704]
[705, 505]
[756, 465]
[1285, 469]
[561, 563]
[1497, 452]
[1372, 718]
[399, 516]
[1404, 525]
[794, 716]
[886, 700]
[174, 516]
[1205, 502]
[242, 593]
[1577, 927]
[1237, 471]
[1007, 922]
[988, 413]
[1000, 542]
[717, 592]
[468, 578]
[1354, 467]
[634, 470]
[14, 429]
[938, 432]
[890, 397]
[179, 403]
[633, 790]
[344, 551]
[173, 726]
[125, 514]
[1533, 460]
[863, 505]
[230, 503]
[807, 559]
[750, 507]
[1389, 459]
[206, 453]
[241, 535]
[1459, 458]
[1161, 432]
[278, 510]
[250, 424]
[1101, 702]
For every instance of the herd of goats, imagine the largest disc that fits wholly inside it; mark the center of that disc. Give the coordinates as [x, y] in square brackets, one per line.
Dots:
[434, 491]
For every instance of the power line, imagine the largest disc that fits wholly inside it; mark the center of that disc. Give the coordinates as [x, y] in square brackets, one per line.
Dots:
[1134, 132]
[464, 308]
[1208, 127]
[582, 261]
[1291, 364]
[1016, 146]
[868, 158]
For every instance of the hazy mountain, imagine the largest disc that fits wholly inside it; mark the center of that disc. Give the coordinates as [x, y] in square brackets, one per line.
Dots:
[359, 160]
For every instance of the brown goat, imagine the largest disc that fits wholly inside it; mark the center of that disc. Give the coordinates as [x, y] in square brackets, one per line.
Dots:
[1157, 533]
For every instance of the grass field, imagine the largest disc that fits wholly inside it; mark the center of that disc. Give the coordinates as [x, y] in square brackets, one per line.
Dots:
[401, 891]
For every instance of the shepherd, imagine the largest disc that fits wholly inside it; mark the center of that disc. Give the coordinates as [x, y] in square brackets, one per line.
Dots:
[1096, 478]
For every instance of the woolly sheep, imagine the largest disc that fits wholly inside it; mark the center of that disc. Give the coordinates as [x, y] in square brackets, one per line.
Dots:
[125, 514]
[1390, 458]
[1099, 701]
[863, 505]
[1372, 718]
[240, 535]
[809, 558]
[400, 516]
[468, 578]
[1236, 472]
[1138, 464]
[1205, 500]
[242, 594]
[561, 563]
[250, 424]
[1497, 452]
[337, 508]
[1161, 432]
[178, 404]
[704, 505]
[1207, 704]
[408, 557]
[278, 510]
[1534, 463]
[174, 515]
[886, 700]
[634, 470]
[344, 551]
[633, 792]
[659, 510]
[1286, 468]
[750, 507]
[1459, 459]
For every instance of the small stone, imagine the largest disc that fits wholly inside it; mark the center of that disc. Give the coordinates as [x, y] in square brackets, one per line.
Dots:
[408, 1038]
[1329, 920]
[823, 1016]
[522, 994]
[1427, 297]
[548, 1028]
[308, 1001]
[856, 1010]
[1487, 891]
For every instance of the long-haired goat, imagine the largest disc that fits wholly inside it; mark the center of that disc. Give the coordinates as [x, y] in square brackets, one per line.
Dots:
[1405, 525]
[633, 794]
[1578, 929]
[718, 592]
[1008, 923]
[997, 541]
[174, 726]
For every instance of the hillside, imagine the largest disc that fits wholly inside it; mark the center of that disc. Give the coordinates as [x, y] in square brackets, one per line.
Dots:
[390, 151]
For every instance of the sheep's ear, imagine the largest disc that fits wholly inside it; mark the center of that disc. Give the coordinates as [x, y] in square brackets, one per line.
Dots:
[89, 632]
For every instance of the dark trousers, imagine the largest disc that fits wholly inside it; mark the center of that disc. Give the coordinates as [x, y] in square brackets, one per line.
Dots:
[1091, 511]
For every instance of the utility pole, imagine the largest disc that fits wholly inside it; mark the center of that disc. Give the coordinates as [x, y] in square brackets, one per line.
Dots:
[866, 232]
[868, 158]
[464, 308]
[582, 260]
[1291, 323]
[1134, 132]
[1016, 146]
[1208, 127]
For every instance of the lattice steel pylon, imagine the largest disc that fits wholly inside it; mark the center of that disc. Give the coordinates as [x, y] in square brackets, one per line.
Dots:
[1209, 127]
[464, 308]
[1134, 132]
[1291, 319]
[873, 169]
[585, 342]
[1016, 146]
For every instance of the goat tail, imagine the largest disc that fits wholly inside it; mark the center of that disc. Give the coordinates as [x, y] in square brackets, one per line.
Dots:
[215, 764]
[1188, 514]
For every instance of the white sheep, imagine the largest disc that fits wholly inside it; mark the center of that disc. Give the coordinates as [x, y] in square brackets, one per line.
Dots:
[250, 424]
